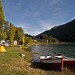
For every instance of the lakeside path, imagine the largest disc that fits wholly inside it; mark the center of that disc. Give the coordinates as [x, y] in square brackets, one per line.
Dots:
[11, 63]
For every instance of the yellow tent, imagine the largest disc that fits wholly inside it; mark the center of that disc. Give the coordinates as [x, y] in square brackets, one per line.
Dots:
[2, 49]
[23, 39]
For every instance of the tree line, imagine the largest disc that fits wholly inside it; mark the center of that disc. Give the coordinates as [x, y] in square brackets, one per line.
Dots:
[8, 31]
[47, 39]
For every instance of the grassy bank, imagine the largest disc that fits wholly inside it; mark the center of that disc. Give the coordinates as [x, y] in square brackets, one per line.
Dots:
[11, 63]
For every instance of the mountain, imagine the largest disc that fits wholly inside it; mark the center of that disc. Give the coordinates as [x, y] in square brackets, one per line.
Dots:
[64, 33]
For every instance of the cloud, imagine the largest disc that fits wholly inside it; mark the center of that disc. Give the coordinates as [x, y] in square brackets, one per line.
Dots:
[36, 13]
[35, 30]
[29, 29]
[73, 18]
[55, 7]
[55, 14]
[20, 2]
[55, 2]
[45, 25]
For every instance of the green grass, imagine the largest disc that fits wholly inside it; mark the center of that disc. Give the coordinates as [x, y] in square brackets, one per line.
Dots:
[11, 63]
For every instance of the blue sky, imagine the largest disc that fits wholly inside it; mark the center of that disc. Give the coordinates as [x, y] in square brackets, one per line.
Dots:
[36, 16]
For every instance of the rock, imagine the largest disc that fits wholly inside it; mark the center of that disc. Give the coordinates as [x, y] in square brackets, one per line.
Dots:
[22, 55]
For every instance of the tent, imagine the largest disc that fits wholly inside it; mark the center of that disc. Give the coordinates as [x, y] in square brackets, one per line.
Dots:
[2, 49]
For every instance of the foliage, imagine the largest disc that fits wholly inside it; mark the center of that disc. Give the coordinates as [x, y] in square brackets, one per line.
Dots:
[3, 35]
[7, 29]
[47, 39]
[19, 33]
[27, 40]
[6, 25]
[44, 36]
[52, 39]
[11, 33]
[33, 37]
[1, 17]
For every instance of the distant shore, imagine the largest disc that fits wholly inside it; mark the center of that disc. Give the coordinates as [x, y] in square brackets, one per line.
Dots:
[39, 43]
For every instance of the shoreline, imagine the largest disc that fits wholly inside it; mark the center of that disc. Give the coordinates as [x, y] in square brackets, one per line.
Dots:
[67, 68]
[38, 43]
[18, 65]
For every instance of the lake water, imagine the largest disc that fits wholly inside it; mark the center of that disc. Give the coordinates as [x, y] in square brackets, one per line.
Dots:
[65, 49]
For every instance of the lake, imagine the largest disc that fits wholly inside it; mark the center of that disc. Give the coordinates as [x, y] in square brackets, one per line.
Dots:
[65, 49]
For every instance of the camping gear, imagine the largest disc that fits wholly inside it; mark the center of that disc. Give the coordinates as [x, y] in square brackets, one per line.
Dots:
[52, 62]
[2, 49]
[23, 39]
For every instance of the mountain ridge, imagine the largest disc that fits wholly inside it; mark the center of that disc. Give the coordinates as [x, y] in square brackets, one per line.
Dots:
[64, 33]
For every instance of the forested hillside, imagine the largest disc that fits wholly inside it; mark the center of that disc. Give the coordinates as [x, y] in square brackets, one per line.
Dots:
[64, 33]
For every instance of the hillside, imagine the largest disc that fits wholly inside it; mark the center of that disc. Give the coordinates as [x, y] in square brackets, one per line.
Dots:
[64, 33]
